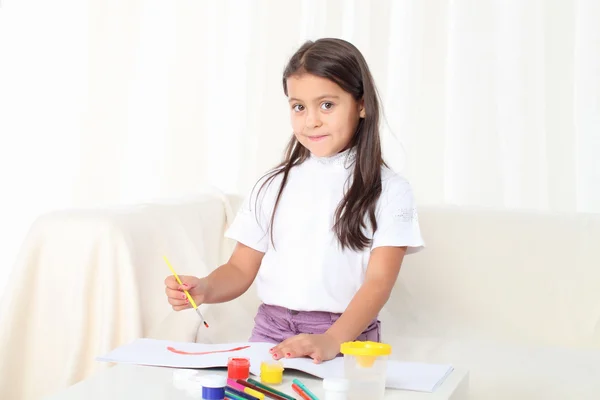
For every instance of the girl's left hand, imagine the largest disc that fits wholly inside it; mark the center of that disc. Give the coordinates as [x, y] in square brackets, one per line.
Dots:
[319, 347]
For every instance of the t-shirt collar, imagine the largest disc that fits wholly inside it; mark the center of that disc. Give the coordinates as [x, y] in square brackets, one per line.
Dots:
[344, 158]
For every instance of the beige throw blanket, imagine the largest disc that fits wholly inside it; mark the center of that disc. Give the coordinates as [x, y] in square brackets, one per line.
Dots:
[89, 281]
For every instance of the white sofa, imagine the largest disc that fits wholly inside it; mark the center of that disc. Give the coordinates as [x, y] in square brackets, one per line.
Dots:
[512, 296]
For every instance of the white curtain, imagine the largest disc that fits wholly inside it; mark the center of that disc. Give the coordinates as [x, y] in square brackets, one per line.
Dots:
[492, 103]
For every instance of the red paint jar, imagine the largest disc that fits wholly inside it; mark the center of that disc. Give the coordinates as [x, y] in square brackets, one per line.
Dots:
[238, 368]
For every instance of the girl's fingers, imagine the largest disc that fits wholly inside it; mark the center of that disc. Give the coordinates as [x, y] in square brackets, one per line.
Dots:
[297, 348]
[282, 344]
[316, 356]
[188, 282]
[171, 282]
[178, 301]
[278, 351]
[176, 294]
[178, 298]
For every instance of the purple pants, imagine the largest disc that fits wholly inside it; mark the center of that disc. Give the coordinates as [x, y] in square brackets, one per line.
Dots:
[274, 324]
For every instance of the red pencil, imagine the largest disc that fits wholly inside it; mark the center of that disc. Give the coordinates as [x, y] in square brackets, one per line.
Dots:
[300, 392]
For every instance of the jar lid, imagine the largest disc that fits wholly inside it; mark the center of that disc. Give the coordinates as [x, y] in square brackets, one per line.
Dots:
[213, 381]
[238, 362]
[365, 349]
[336, 384]
[271, 366]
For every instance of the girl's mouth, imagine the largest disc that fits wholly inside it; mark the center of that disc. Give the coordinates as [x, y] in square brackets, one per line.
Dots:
[317, 138]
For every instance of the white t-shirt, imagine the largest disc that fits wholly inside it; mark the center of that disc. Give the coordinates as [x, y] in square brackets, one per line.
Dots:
[307, 270]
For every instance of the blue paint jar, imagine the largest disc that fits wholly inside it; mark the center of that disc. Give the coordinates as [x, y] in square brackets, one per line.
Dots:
[213, 387]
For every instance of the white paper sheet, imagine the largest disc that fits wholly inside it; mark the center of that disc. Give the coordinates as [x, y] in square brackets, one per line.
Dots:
[400, 375]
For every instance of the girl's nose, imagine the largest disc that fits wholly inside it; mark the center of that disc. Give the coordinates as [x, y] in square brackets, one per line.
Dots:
[312, 120]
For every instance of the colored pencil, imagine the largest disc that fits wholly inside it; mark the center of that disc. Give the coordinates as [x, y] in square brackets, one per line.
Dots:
[270, 389]
[232, 383]
[241, 394]
[300, 392]
[267, 392]
[233, 396]
[305, 389]
[254, 393]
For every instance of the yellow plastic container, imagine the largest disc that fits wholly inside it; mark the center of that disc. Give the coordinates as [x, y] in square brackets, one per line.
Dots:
[271, 372]
[365, 366]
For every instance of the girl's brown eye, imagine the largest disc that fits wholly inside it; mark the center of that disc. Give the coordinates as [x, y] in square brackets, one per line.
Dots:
[298, 107]
[327, 106]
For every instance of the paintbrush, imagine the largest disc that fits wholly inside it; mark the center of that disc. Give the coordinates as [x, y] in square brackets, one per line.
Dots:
[192, 302]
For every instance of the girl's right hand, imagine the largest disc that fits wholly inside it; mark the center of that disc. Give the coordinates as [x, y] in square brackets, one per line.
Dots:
[175, 292]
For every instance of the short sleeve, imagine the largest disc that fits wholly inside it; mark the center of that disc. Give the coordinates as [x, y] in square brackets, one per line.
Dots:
[250, 225]
[397, 217]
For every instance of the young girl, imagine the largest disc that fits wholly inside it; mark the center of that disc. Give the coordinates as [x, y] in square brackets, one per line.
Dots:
[324, 233]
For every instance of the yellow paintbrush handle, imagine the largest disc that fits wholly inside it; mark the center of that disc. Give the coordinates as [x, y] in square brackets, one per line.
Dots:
[192, 302]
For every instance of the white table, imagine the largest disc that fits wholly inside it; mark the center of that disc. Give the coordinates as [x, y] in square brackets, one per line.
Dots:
[127, 382]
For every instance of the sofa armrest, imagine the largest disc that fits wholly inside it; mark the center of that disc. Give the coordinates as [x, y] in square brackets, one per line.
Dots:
[88, 281]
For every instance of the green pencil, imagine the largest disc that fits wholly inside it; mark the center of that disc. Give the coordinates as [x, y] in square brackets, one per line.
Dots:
[303, 387]
[233, 396]
[270, 389]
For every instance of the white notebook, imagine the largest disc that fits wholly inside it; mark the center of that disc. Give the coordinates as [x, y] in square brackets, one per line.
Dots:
[400, 375]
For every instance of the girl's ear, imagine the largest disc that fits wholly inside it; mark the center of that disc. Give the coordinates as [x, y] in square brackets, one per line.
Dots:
[361, 109]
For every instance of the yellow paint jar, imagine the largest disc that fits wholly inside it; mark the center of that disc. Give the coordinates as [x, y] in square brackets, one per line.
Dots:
[271, 372]
[365, 366]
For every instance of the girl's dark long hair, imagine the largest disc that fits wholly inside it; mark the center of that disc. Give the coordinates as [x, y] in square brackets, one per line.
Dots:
[342, 63]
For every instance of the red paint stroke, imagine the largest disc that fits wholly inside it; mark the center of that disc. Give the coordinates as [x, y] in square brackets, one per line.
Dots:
[201, 353]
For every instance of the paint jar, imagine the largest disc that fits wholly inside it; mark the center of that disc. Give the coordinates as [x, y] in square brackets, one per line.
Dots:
[238, 368]
[365, 367]
[213, 387]
[271, 372]
[336, 388]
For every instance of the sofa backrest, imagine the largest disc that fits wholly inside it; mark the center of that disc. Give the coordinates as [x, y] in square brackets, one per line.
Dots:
[523, 277]
[516, 276]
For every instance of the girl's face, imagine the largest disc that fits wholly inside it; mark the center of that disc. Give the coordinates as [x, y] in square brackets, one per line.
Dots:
[324, 116]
